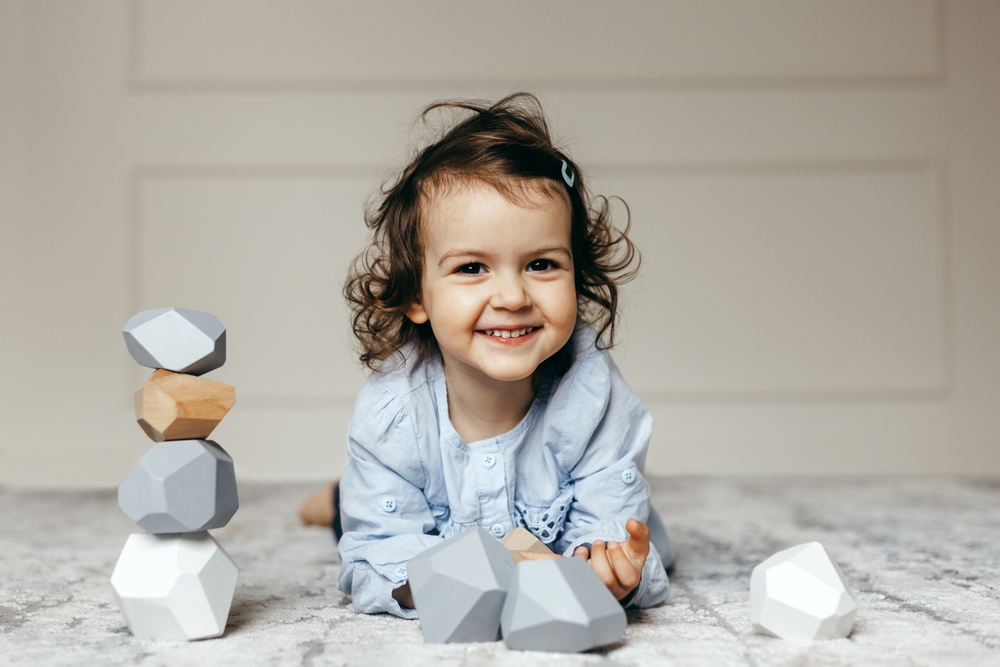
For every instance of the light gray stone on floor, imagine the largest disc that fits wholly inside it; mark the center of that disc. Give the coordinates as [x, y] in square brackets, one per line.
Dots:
[560, 604]
[459, 587]
[922, 555]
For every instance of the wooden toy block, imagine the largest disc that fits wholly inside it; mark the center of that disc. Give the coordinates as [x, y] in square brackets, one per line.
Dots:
[521, 539]
[177, 406]
[181, 486]
[177, 339]
[559, 604]
[800, 593]
[174, 587]
[459, 587]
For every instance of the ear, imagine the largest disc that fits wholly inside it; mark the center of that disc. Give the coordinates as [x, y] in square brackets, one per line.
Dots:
[417, 313]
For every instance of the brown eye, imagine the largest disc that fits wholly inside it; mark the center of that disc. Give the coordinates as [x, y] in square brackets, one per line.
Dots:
[475, 267]
[542, 265]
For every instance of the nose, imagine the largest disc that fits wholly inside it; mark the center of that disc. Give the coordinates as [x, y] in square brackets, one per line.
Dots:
[509, 293]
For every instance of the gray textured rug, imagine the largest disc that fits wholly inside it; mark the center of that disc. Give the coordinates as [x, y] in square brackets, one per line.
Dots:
[923, 556]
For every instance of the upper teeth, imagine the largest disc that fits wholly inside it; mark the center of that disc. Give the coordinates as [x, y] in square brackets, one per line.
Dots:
[509, 333]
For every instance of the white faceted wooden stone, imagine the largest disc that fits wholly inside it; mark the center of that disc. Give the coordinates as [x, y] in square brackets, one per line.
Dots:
[459, 587]
[559, 604]
[174, 586]
[181, 486]
[800, 593]
[177, 339]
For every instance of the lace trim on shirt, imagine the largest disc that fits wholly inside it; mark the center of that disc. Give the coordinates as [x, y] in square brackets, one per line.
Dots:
[545, 523]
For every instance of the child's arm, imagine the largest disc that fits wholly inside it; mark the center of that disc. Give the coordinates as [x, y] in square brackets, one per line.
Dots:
[374, 549]
[609, 490]
[384, 513]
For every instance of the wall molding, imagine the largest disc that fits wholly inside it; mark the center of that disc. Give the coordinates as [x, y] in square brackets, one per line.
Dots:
[142, 174]
[139, 83]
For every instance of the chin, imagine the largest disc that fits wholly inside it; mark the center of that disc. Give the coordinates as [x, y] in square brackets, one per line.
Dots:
[511, 375]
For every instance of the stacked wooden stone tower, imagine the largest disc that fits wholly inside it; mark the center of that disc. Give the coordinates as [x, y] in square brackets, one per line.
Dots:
[175, 581]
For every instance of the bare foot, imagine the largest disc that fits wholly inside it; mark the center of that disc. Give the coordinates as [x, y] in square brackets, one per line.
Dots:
[317, 510]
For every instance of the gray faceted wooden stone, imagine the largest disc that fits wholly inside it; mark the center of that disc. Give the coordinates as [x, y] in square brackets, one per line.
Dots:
[459, 586]
[181, 486]
[559, 604]
[800, 593]
[174, 587]
[177, 339]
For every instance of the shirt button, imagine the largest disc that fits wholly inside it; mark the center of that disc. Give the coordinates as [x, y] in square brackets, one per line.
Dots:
[489, 460]
[498, 530]
[401, 572]
[388, 504]
[628, 476]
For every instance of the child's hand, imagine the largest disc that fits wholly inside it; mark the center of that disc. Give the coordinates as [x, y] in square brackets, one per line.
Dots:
[403, 596]
[619, 564]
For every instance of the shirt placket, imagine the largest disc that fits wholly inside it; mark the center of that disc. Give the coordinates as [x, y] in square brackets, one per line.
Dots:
[488, 465]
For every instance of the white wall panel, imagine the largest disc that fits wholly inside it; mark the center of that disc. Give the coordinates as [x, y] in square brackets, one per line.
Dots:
[13, 184]
[786, 280]
[365, 44]
[599, 126]
[63, 423]
[813, 185]
[270, 441]
[266, 251]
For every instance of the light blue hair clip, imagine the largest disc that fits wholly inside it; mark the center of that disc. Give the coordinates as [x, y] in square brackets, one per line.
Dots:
[568, 176]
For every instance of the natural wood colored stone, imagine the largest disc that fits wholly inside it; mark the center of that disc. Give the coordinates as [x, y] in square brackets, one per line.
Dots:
[521, 539]
[176, 406]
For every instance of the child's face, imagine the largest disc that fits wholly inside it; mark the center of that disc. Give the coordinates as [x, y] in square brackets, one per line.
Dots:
[498, 285]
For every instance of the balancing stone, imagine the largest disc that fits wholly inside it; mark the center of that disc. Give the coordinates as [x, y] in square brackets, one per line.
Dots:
[559, 604]
[181, 340]
[181, 487]
[177, 406]
[459, 587]
[174, 587]
[800, 593]
[521, 539]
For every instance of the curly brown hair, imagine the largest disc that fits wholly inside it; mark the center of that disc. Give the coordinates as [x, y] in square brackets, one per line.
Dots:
[506, 145]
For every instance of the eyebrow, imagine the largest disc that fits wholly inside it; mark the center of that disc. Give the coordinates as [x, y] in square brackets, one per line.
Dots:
[459, 253]
[479, 253]
[555, 248]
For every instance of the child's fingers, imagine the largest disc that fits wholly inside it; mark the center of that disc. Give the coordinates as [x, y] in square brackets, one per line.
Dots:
[627, 572]
[601, 566]
[638, 541]
[582, 552]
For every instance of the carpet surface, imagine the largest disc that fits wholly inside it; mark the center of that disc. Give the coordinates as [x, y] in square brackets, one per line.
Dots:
[922, 555]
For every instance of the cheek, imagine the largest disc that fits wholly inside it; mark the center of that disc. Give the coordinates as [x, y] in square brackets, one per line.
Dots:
[571, 308]
[455, 307]
[563, 303]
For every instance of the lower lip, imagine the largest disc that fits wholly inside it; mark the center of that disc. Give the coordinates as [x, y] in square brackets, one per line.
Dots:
[510, 342]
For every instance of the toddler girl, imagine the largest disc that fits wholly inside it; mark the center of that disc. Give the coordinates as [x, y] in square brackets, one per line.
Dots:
[483, 308]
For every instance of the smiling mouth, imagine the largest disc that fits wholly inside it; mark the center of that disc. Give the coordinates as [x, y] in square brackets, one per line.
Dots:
[508, 333]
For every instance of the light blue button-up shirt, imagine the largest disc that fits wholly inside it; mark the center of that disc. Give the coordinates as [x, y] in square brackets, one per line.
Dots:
[570, 472]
